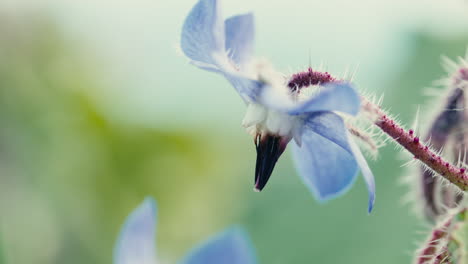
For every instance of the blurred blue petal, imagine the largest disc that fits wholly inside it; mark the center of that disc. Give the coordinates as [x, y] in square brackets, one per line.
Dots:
[325, 160]
[333, 97]
[203, 32]
[230, 247]
[366, 172]
[248, 89]
[136, 243]
[240, 33]
[205, 40]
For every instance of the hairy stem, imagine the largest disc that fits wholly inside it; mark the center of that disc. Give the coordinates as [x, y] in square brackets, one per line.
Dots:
[407, 139]
[436, 249]
[429, 253]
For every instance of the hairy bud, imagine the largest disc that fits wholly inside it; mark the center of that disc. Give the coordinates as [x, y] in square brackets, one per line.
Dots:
[446, 130]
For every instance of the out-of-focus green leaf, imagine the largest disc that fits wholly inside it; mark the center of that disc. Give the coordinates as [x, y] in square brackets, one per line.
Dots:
[2, 254]
[75, 173]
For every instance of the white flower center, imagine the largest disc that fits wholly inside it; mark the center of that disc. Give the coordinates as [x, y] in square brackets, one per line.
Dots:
[261, 120]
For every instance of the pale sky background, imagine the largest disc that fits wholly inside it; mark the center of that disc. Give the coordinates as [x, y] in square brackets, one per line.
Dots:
[148, 81]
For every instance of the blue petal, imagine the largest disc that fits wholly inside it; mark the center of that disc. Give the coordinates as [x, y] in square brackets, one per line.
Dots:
[230, 247]
[325, 160]
[203, 33]
[366, 172]
[240, 33]
[248, 89]
[333, 97]
[136, 242]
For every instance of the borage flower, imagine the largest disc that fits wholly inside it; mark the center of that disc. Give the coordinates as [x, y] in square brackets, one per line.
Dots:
[136, 242]
[302, 107]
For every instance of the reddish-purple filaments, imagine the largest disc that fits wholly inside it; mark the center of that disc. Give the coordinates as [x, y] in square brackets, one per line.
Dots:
[309, 77]
[464, 73]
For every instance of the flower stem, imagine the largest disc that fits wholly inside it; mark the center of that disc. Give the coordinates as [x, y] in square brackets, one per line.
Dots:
[436, 249]
[407, 139]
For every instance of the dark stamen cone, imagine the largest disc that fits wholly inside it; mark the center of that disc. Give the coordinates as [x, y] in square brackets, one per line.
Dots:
[269, 149]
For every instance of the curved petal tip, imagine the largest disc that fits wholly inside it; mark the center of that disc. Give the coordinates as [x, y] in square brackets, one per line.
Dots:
[366, 172]
[136, 242]
[229, 247]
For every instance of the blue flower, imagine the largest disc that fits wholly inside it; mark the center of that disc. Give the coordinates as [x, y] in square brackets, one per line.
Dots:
[136, 242]
[306, 107]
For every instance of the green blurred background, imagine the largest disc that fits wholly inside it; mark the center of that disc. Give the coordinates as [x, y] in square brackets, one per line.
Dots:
[98, 109]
